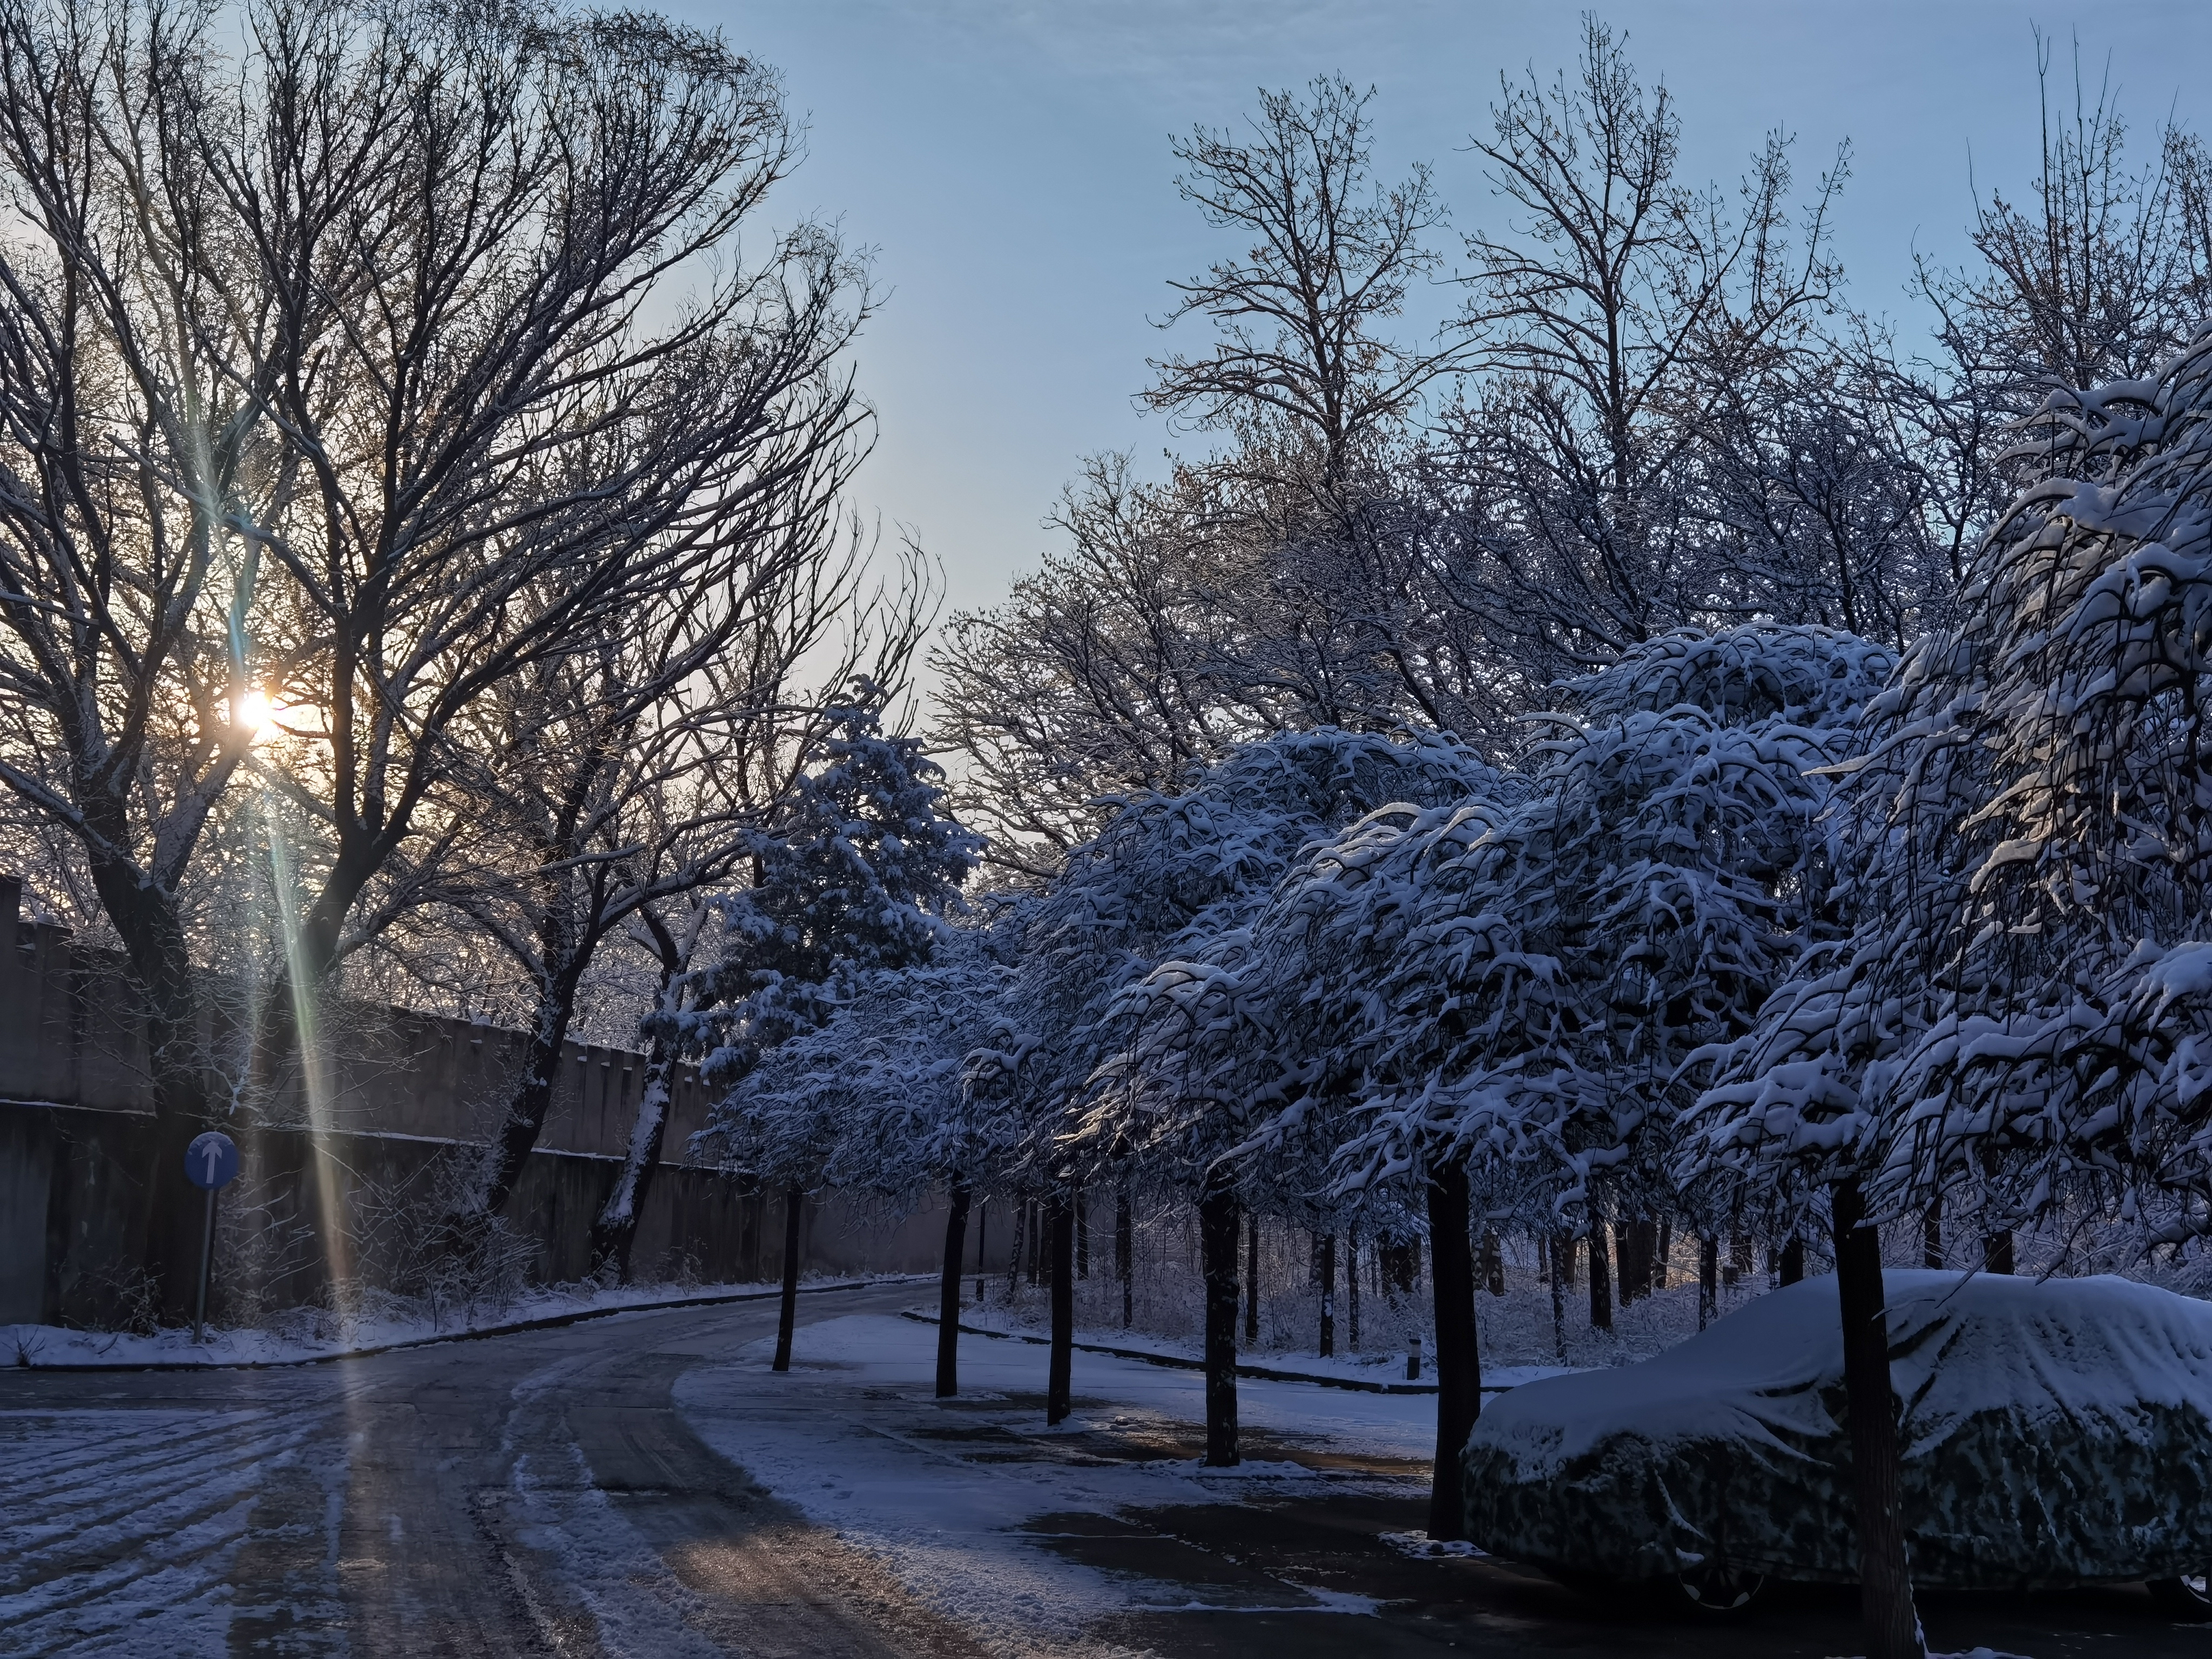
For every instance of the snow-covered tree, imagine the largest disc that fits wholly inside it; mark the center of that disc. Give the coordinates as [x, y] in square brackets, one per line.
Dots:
[879, 1100]
[1493, 998]
[1159, 899]
[855, 878]
[2016, 1021]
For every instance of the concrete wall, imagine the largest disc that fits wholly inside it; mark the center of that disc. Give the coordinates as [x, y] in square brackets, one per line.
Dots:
[336, 1179]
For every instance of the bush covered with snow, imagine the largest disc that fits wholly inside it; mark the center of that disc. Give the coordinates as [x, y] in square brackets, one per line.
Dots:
[2058, 1432]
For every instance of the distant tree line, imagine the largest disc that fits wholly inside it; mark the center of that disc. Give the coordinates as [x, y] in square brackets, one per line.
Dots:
[1658, 405]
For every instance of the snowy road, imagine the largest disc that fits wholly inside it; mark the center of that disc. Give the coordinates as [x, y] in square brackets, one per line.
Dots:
[531, 1494]
[595, 1490]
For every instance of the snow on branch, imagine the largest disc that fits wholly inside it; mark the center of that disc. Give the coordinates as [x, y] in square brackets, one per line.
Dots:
[2021, 1015]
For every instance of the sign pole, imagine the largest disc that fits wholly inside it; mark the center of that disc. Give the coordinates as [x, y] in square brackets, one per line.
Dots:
[210, 1163]
[207, 1255]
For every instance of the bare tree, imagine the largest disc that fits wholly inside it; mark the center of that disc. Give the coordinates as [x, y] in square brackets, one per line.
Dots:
[631, 779]
[1607, 308]
[359, 376]
[1825, 513]
[1335, 626]
[1331, 256]
[1271, 587]
[1098, 675]
[2101, 269]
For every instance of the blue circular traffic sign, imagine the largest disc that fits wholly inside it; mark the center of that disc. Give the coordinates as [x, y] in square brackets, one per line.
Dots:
[211, 1160]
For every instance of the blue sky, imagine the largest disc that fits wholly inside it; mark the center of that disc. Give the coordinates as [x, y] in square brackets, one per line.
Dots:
[1008, 161]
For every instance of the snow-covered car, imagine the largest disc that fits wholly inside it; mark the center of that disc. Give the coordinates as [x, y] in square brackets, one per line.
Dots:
[2055, 1434]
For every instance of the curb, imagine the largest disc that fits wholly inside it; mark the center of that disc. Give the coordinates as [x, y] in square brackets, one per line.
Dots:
[549, 1322]
[1178, 1362]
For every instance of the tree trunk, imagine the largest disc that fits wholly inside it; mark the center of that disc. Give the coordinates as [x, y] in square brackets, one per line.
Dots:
[1601, 1278]
[1793, 1261]
[1661, 1261]
[1459, 1363]
[1252, 1280]
[1351, 1291]
[1401, 1272]
[1493, 1262]
[1217, 1236]
[615, 1231]
[175, 1211]
[1014, 1257]
[1058, 1374]
[1892, 1627]
[1562, 1249]
[1996, 1253]
[532, 1095]
[1645, 1231]
[1709, 1280]
[150, 927]
[1739, 1259]
[1932, 1235]
[1125, 1253]
[1325, 1262]
[1082, 1235]
[982, 1231]
[948, 1296]
[788, 1314]
[1036, 1239]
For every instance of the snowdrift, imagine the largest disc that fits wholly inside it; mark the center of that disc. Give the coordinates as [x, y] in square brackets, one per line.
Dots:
[2054, 1434]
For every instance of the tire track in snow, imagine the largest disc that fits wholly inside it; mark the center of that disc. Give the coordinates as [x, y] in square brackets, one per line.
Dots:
[118, 1530]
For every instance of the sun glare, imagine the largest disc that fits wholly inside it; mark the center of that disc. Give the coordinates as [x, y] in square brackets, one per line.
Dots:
[251, 709]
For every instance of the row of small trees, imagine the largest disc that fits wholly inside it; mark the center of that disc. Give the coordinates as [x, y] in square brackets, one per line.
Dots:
[1883, 902]
[1886, 899]
[1349, 976]
[1769, 927]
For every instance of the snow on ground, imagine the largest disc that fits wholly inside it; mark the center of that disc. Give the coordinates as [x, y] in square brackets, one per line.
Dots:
[1518, 1341]
[111, 1520]
[596, 1560]
[307, 1333]
[1380, 1370]
[853, 1437]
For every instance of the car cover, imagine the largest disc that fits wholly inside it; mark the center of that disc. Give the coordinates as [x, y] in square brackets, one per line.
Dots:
[2055, 1432]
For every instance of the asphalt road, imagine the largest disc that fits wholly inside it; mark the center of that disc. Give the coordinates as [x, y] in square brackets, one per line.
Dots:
[457, 1499]
[443, 1500]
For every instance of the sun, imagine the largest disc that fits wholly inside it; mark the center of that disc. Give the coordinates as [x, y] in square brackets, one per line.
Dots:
[249, 708]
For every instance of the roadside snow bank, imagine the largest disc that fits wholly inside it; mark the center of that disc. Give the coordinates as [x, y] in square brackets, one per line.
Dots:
[1384, 1373]
[314, 1334]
